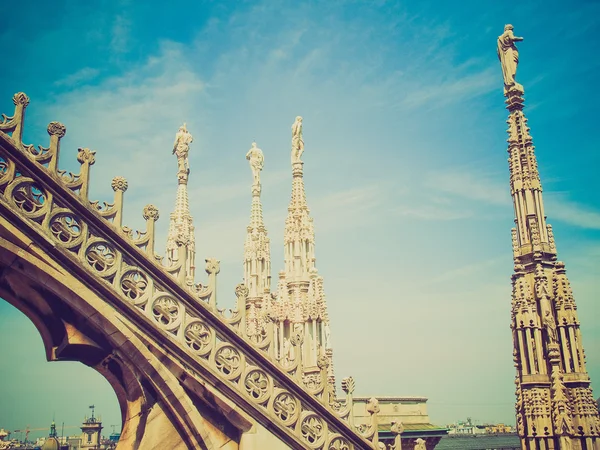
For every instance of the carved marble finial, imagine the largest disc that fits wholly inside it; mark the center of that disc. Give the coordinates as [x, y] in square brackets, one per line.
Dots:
[297, 142]
[151, 212]
[348, 385]
[373, 406]
[119, 184]
[323, 362]
[20, 98]
[397, 427]
[86, 155]
[420, 444]
[212, 266]
[256, 158]
[56, 129]
[509, 58]
[241, 291]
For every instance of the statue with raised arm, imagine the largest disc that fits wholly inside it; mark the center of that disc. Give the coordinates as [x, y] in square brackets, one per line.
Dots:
[509, 58]
[297, 142]
[256, 158]
[181, 148]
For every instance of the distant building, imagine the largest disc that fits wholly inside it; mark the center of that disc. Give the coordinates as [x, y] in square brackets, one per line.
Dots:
[411, 412]
[467, 428]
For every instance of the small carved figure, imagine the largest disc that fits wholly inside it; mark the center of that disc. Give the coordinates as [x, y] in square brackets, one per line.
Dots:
[420, 444]
[256, 158]
[550, 326]
[327, 336]
[297, 142]
[509, 57]
[287, 352]
[181, 148]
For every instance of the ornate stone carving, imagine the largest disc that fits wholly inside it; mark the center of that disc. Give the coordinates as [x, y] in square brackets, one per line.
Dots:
[65, 228]
[420, 444]
[348, 385]
[20, 98]
[228, 361]
[257, 385]
[150, 212]
[338, 443]
[286, 407]
[101, 257]
[134, 284]
[213, 266]
[56, 129]
[85, 155]
[29, 197]
[165, 311]
[313, 430]
[119, 184]
[198, 337]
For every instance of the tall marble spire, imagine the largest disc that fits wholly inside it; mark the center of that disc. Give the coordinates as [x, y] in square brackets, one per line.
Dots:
[257, 252]
[180, 240]
[301, 304]
[555, 407]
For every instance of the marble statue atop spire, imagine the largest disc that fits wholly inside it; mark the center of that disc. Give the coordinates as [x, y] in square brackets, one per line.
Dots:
[256, 158]
[297, 142]
[509, 58]
[181, 148]
[180, 239]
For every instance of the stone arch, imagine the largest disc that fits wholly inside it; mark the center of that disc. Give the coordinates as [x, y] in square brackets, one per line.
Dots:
[76, 324]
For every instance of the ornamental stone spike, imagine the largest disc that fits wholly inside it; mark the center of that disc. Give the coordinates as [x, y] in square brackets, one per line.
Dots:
[181, 244]
[301, 300]
[257, 252]
[547, 340]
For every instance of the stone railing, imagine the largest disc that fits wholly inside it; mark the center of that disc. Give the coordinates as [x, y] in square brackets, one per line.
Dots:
[92, 238]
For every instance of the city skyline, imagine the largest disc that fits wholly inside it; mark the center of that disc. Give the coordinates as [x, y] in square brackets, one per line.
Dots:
[405, 164]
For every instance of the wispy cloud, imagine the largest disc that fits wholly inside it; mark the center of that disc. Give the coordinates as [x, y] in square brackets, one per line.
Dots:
[459, 88]
[467, 270]
[560, 207]
[82, 75]
[470, 184]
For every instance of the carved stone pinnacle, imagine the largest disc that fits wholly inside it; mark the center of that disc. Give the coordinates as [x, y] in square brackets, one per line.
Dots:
[56, 129]
[119, 184]
[151, 212]
[20, 98]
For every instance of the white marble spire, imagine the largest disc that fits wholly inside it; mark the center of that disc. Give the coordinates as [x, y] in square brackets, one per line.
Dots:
[257, 252]
[180, 240]
[301, 300]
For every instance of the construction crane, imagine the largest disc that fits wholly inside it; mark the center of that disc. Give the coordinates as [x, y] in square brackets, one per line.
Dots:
[28, 430]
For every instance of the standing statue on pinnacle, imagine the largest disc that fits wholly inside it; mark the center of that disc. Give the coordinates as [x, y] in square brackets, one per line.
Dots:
[509, 58]
[256, 158]
[297, 142]
[181, 148]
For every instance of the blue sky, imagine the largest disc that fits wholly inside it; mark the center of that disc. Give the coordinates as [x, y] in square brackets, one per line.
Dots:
[405, 168]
